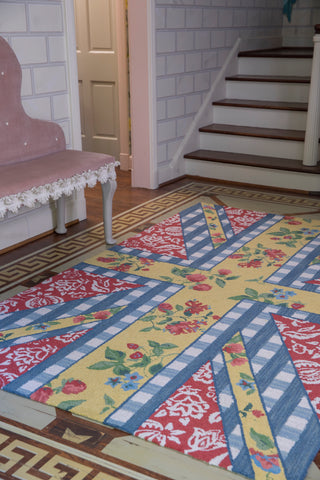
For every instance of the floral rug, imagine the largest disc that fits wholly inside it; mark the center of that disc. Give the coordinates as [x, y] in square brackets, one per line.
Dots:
[200, 334]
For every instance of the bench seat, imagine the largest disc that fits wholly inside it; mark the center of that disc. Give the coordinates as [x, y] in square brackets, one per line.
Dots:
[35, 165]
[64, 171]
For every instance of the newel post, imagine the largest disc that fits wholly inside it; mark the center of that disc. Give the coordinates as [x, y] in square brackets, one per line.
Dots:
[311, 143]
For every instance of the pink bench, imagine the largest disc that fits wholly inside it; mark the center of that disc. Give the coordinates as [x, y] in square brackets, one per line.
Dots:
[35, 165]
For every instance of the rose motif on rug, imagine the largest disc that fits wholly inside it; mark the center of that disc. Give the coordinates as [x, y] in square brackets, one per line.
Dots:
[200, 334]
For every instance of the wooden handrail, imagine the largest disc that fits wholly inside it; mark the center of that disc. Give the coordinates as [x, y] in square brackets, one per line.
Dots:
[311, 143]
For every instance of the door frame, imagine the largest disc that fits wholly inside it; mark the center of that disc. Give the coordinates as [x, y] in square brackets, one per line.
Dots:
[142, 65]
[141, 32]
[72, 75]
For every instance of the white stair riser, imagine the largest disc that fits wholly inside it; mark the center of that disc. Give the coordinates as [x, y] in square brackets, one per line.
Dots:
[252, 145]
[260, 117]
[277, 92]
[252, 175]
[264, 118]
[275, 66]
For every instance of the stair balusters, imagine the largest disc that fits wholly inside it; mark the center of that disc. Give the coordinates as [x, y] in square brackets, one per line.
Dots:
[311, 144]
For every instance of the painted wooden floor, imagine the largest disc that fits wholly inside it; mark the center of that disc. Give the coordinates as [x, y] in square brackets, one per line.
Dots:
[40, 442]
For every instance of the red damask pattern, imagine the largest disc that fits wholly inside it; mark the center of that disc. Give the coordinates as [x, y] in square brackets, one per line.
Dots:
[316, 281]
[166, 238]
[69, 285]
[19, 359]
[242, 219]
[189, 421]
[302, 340]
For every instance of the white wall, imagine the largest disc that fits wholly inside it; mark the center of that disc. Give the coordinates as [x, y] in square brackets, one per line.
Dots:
[299, 32]
[193, 40]
[36, 31]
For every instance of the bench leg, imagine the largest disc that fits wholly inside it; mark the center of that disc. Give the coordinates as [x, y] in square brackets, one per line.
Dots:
[61, 217]
[108, 190]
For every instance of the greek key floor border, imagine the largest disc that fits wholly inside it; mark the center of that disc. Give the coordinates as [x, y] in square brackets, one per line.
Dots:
[49, 258]
[62, 450]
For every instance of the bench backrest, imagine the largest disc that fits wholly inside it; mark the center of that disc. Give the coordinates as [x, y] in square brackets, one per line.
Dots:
[21, 137]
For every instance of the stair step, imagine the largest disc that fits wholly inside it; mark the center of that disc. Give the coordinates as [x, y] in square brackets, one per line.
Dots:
[269, 78]
[294, 67]
[279, 134]
[265, 111]
[288, 62]
[273, 88]
[281, 52]
[245, 103]
[260, 113]
[252, 161]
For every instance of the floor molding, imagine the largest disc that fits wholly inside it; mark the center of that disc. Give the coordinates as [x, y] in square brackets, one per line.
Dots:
[51, 257]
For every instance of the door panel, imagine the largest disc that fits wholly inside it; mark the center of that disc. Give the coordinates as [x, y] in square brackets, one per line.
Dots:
[97, 70]
[100, 38]
[103, 119]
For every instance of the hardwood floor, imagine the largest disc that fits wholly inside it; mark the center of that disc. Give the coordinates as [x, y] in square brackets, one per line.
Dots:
[269, 105]
[281, 52]
[297, 135]
[125, 198]
[97, 441]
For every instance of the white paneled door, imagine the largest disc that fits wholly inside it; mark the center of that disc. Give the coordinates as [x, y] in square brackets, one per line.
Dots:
[97, 54]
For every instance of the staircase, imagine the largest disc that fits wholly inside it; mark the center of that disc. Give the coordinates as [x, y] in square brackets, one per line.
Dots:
[258, 130]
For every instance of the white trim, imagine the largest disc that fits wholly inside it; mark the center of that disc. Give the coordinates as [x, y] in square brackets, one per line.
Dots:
[143, 92]
[72, 71]
[144, 154]
[311, 142]
[191, 139]
[261, 177]
[152, 94]
[123, 83]
[74, 101]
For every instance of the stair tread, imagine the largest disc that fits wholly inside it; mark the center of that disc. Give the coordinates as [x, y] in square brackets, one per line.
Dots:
[236, 102]
[253, 161]
[281, 134]
[282, 52]
[270, 78]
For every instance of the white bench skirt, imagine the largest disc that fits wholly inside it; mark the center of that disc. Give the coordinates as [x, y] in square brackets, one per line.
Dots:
[56, 176]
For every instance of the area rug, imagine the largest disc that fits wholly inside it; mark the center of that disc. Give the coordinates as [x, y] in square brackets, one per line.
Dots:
[200, 334]
[27, 270]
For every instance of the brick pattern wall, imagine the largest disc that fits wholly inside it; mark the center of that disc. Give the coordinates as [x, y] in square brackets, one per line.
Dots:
[305, 15]
[193, 39]
[35, 31]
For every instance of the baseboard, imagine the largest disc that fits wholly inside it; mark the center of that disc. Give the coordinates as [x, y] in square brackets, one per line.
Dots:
[253, 176]
[125, 161]
[233, 183]
[30, 224]
[174, 180]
